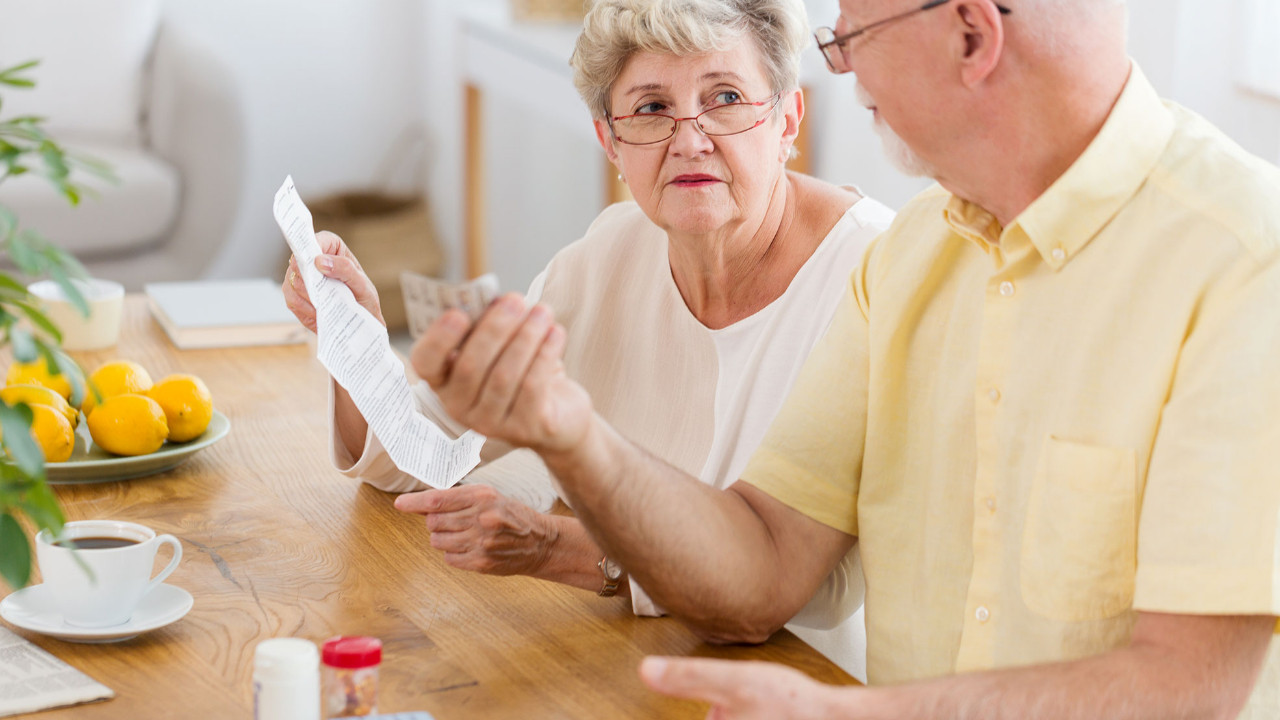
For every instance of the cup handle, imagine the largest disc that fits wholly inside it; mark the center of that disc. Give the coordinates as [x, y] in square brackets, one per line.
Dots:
[173, 564]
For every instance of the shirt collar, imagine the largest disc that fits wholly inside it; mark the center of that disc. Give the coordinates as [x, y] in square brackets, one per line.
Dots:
[1097, 185]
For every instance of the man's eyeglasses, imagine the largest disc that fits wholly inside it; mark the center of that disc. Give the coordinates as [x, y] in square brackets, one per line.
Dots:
[730, 119]
[835, 48]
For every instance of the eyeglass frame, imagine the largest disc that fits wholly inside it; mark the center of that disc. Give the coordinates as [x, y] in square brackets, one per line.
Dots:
[840, 40]
[772, 101]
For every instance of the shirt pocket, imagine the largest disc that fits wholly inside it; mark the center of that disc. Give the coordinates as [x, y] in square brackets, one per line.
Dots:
[1080, 541]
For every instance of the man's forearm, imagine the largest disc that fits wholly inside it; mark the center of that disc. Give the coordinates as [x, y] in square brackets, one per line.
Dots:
[1195, 681]
[700, 553]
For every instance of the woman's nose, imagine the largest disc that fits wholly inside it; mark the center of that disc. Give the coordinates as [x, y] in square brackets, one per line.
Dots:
[689, 139]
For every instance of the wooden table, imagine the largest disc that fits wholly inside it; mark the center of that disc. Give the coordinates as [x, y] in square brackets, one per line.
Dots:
[278, 544]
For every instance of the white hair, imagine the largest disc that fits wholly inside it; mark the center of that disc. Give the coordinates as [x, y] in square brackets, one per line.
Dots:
[614, 30]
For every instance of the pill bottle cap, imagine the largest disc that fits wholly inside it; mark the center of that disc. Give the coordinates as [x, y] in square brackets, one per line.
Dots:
[352, 652]
[285, 660]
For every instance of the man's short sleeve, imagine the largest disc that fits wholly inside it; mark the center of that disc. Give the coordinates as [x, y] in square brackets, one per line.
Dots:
[1210, 524]
[811, 457]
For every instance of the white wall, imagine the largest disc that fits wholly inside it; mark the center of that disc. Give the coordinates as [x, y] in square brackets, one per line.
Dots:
[330, 84]
[327, 85]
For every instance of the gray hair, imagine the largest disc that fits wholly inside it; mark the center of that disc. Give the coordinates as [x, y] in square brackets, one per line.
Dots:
[614, 30]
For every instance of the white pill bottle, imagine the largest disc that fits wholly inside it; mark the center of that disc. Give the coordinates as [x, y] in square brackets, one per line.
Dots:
[286, 680]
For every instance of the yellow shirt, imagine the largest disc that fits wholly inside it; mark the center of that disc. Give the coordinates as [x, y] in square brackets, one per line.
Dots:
[1037, 430]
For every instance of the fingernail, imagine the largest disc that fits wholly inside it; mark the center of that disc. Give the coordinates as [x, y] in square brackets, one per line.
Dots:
[512, 305]
[540, 313]
[653, 667]
[326, 262]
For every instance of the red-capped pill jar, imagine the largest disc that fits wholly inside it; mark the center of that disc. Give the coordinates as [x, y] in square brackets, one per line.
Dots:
[349, 676]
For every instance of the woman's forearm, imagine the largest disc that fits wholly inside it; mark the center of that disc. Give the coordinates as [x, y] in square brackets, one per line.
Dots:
[351, 426]
[573, 558]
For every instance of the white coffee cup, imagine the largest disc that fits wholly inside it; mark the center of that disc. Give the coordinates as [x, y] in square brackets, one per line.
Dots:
[106, 307]
[106, 589]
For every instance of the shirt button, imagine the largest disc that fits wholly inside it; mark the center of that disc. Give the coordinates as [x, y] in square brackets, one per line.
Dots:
[1059, 254]
[982, 614]
[991, 504]
[1006, 288]
[993, 395]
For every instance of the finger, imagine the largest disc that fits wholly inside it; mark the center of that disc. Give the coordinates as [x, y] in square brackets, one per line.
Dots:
[296, 297]
[347, 270]
[544, 370]
[499, 392]
[432, 354]
[715, 681]
[330, 243]
[454, 522]
[456, 543]
[478, 355]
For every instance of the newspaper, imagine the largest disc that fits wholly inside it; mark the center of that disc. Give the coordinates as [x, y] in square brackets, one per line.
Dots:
[426, 299]
[32, 679]
[354, 347]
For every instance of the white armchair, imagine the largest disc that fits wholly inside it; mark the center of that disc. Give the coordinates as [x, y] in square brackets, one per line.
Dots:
[117, 84]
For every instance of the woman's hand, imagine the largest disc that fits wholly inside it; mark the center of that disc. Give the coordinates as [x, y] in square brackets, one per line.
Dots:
[504, 377]
[337, 262]
[480, 530]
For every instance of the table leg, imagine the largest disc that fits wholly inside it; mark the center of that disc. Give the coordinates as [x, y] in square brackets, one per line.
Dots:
[477, 251]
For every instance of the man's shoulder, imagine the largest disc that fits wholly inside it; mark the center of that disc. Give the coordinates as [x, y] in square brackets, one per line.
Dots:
[1216, 181]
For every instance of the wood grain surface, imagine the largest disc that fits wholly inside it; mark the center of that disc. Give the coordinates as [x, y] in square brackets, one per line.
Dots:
[278, 544]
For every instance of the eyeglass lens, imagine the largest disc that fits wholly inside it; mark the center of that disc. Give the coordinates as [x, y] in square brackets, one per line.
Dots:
[723, 120]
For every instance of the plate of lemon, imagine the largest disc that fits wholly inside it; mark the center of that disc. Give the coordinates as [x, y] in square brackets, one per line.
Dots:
[131, 428]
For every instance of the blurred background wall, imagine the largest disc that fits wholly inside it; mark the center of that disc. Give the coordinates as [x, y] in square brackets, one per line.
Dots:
[361, 94]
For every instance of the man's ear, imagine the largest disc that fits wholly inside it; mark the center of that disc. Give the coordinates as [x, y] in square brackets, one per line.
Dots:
[793, 114]
[605, 137]
[983, 39]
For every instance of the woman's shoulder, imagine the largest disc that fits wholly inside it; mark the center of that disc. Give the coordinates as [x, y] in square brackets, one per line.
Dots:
[827, 207]
[620, 235]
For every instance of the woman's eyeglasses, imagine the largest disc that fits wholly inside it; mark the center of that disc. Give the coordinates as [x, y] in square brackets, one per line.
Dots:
[730, 119]
[835, 48]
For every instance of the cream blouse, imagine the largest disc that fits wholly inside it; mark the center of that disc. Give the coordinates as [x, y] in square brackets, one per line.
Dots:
[701, 399]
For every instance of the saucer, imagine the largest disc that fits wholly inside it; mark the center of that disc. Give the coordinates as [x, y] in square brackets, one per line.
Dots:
[30, 609]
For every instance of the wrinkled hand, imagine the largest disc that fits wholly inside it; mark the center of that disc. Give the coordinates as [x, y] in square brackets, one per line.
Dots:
[504, 377]
[342, 265]
[740, 690]
[481, 530]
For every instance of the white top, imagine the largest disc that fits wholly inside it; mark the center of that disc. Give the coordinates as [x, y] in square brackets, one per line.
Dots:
[648, 364]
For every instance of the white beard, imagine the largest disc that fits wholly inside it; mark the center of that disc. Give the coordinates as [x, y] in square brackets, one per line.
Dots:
[901, 156]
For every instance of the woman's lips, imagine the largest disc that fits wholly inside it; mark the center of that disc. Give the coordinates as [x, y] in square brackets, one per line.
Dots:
[693, 181]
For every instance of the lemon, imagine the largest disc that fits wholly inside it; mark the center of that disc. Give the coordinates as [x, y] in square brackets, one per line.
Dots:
[116, 378]
[38, 373]
[52, 432]
[40, 395]
[187, 405]
[128, 424]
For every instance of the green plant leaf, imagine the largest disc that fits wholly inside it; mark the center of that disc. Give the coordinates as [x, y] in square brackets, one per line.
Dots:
[14, 288]
[41, 505]
[15, 420]
[40, 320]
[26, 257]
[59, 363]
[58, 271]
[27, 65]
[24, 346]
[15, 552]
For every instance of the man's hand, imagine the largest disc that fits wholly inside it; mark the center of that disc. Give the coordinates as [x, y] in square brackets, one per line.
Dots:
[742, 690]
[504, 377]
[480, 530]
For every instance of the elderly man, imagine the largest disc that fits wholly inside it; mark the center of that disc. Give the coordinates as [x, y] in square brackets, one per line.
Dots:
[1048, 409]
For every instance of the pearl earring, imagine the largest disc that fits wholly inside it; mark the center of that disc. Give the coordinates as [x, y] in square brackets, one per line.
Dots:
[621, 179]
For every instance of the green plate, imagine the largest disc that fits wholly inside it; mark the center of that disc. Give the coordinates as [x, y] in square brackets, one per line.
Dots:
[91, 464]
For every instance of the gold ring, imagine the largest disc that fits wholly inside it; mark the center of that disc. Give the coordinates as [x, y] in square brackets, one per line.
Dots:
[293, 276]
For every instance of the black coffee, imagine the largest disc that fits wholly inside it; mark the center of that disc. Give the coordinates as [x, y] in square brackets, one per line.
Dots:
[96, 543]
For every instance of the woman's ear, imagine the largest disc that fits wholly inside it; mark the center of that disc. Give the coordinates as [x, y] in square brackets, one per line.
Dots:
[605, 137]
[792, 114]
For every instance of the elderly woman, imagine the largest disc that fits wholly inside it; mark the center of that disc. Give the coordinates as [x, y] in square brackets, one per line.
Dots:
[687, 313]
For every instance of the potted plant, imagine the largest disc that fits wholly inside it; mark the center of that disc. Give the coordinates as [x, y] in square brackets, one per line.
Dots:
[26, 148]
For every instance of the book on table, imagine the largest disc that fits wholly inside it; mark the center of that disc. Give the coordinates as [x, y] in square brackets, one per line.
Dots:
[224, 313]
